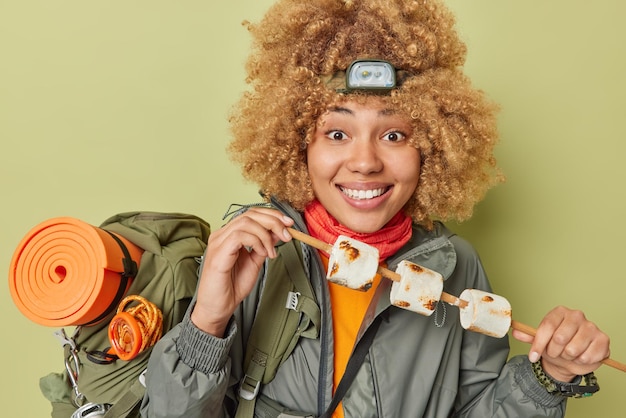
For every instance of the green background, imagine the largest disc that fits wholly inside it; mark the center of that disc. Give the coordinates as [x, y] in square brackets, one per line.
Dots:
[108, 106]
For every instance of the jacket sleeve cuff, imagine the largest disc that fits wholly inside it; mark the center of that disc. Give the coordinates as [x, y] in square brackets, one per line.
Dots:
[201, 351]
[529, 384]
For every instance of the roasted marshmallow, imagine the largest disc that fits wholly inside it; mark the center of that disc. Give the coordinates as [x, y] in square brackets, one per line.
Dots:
[418, 290]
[486, 313]
[352, 263]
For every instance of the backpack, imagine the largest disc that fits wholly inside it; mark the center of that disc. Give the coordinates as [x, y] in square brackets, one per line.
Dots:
[167, 276]
[173, 245]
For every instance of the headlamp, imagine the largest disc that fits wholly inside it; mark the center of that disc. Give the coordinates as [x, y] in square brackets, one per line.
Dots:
[369, 75]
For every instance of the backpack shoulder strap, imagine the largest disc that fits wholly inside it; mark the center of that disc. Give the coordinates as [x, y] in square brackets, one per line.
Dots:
[287, 311]
[128, 402]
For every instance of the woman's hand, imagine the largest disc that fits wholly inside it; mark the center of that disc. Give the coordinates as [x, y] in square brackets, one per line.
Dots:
[567, 343]
[234, 256]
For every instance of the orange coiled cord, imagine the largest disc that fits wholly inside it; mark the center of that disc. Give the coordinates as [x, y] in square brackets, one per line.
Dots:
[133, 330]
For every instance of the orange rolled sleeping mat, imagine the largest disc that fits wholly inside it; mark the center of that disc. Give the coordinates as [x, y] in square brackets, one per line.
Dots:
[67, 272]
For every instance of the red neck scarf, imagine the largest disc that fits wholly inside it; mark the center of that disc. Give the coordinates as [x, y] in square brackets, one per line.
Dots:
[389, 239]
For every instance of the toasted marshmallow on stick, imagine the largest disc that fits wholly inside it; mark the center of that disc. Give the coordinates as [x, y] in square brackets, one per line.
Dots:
[486, 313]
[352, 263]
[418, 290]
[471, 303]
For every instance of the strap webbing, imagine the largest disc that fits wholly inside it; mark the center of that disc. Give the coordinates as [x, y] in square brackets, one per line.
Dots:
[245, 408]
[130, 271]
[278, 329]
[306, 302]
[127, 403]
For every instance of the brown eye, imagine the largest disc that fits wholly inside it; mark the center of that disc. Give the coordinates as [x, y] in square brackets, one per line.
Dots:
[336, 135]
[394, 136]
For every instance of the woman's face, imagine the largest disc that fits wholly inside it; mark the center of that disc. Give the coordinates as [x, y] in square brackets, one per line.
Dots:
[362, 169]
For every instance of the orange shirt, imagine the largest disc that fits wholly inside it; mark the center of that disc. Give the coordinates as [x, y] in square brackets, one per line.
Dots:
[348, 308]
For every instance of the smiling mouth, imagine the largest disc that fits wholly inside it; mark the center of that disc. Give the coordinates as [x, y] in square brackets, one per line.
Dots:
[363, 194]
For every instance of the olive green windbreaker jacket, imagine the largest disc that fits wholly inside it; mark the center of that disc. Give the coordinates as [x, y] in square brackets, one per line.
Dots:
[417, 366]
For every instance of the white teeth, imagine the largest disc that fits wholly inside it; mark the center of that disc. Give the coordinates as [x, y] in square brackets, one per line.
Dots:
[363, 194]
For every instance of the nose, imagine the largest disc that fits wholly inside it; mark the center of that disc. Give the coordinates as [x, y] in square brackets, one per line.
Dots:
[363, 157]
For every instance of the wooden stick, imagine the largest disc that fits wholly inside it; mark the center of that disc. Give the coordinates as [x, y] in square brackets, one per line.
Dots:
[446, 297]
[307, 239]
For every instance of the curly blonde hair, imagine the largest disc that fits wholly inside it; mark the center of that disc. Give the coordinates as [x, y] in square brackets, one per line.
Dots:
[299, 42]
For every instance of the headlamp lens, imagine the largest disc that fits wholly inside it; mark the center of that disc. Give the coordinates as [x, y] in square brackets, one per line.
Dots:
[371, 74]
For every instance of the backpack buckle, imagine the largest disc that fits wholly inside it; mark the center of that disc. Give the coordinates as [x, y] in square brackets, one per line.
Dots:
[92, 410]
[249, 388]
[292, 300]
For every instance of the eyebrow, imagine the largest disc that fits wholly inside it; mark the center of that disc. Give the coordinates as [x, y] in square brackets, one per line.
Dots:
[387, 112]
[339, 109]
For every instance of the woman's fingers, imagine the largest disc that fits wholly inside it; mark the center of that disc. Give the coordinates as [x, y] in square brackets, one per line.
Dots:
[568, 344]
[234, 256]
[258, 230]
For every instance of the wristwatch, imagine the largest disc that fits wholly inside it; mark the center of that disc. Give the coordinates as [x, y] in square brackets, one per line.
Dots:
[570, 390]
